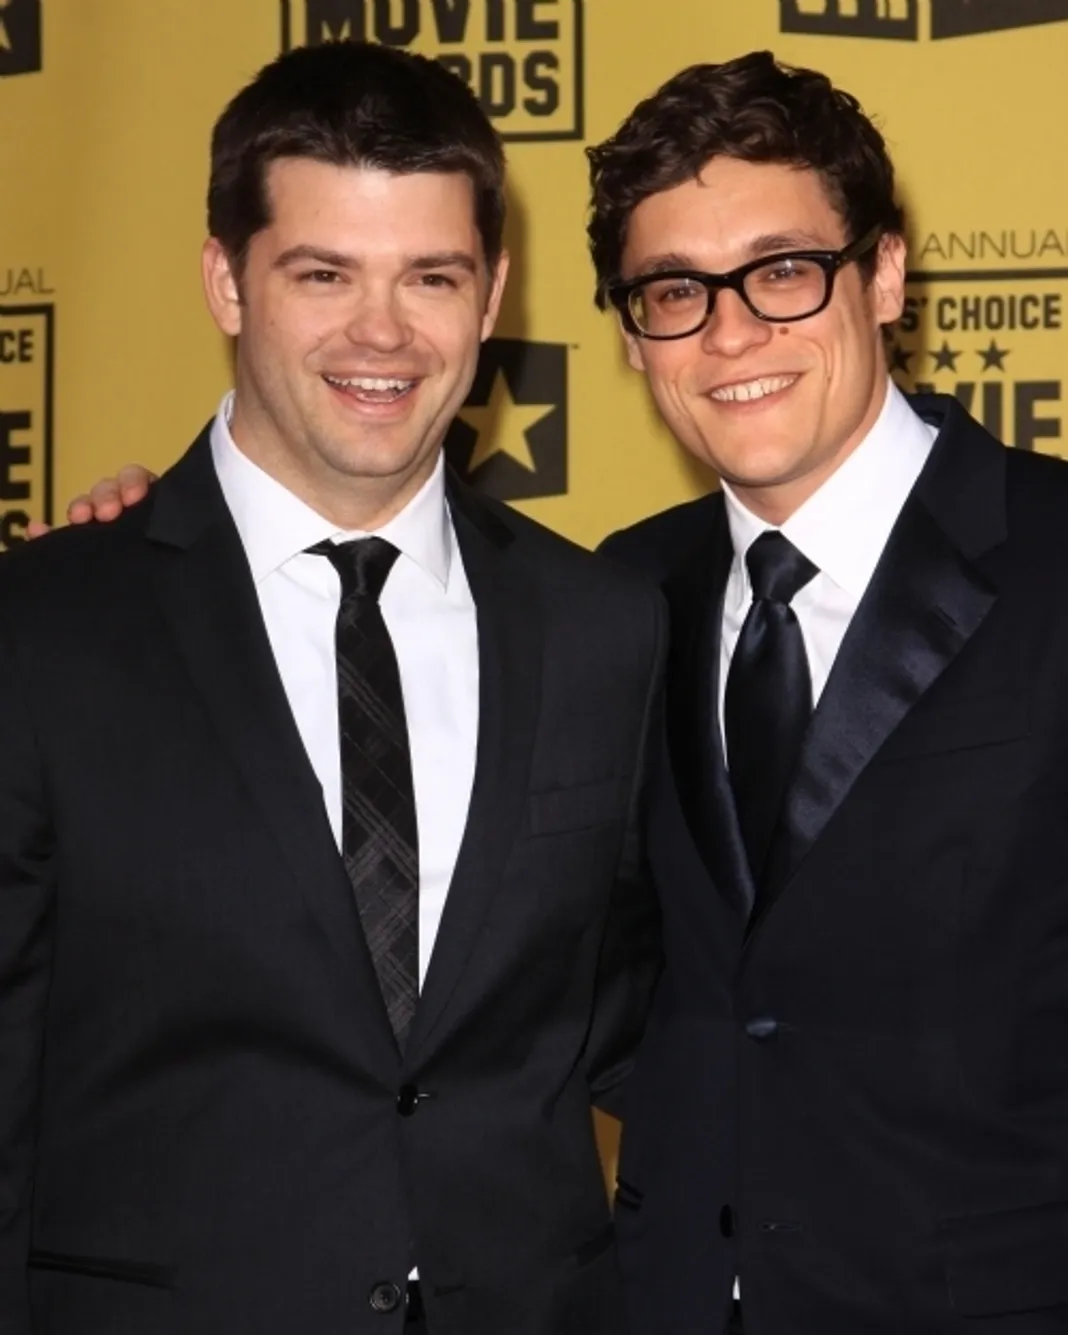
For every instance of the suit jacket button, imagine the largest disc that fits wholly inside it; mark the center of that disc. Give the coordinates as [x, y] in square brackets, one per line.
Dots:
[763, 1029]
[407, 1100]
[726, 1222]
[384, 1297]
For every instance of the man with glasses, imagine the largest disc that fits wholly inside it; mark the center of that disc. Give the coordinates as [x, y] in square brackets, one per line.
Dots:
[851, 1105]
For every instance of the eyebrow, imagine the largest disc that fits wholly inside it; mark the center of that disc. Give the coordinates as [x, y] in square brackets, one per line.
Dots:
[445, 259]
[295, 254]
[771, 242]
[661, 263]
[768, 243]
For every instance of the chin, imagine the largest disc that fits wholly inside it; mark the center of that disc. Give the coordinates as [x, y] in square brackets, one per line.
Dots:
[750, 472]
[377, 463]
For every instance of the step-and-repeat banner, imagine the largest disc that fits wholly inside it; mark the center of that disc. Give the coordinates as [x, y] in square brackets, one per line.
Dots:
[107, 354]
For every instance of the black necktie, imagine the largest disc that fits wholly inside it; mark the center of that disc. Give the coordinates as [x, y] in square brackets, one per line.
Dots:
[379, 837]
[768, 701]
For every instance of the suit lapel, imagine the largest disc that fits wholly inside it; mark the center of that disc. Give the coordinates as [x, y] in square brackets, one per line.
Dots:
[926, 600]
[510, 650]
[695, 593]
[209, 600]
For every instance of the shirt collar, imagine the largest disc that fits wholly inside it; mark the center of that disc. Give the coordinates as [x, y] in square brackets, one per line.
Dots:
[275, 525]
[843, 527]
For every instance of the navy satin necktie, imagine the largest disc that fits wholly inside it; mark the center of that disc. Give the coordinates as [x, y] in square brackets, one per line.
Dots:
[379, 833]
[768, 702]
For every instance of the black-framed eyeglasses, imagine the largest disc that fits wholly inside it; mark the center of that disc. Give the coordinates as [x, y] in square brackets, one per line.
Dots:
[794, 285]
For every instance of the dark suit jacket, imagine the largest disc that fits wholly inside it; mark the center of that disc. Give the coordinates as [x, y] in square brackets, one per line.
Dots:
[857, 1099]
[205, 1125]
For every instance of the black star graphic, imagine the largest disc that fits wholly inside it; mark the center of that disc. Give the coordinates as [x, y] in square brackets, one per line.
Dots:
[945, 359]
[900, 358]
[993, 357]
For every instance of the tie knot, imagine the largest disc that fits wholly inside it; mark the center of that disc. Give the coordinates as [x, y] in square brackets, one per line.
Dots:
[777, 570]
[363, 564]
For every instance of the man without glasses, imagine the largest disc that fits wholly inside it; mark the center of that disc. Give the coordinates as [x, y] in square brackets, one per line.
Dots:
[322, 916]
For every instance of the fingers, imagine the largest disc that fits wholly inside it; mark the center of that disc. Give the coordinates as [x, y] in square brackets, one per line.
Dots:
[103, 502]
[134, 482]
[106, 501]
[111, 495]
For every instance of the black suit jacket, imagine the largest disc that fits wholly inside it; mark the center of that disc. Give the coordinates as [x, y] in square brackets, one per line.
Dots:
[857, 1098]
[205, 1125]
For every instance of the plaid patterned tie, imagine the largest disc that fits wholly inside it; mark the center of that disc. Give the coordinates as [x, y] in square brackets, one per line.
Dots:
[379, 836]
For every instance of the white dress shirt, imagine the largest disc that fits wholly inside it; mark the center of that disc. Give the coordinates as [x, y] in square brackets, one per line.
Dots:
[842, 528]
[428, 609]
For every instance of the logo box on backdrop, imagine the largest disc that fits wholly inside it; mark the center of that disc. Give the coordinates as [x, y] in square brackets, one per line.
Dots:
[522, 58]
[510, 438]
[900, 19]
[20, 36]
[26, 414]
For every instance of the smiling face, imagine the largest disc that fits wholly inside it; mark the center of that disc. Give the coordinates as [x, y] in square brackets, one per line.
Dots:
[773, 408]
[358, 317]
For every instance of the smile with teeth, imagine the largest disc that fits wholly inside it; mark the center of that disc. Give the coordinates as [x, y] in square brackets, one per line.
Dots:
[748, 390]
[371, 388]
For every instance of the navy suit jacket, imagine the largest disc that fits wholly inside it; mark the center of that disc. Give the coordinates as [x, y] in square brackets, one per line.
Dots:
[206, 1126]
[856, 1097]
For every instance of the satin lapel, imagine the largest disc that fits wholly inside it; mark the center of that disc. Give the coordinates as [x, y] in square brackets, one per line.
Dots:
[695, 598]
[510, 650]
[925, 601]
[209, 600]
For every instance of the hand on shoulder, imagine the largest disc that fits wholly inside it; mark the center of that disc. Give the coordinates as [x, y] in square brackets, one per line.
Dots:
[106, 500]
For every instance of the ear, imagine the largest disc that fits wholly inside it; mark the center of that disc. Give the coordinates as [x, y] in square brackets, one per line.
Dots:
[635, 349]
[496, 292]
[221, 287]
[888, 281]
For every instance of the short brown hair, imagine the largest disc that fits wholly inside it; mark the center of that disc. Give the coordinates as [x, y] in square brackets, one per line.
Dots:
[753, 109]
[350, 104]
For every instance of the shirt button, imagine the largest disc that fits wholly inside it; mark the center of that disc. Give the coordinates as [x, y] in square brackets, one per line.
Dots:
[384, 1297]
[763, 1029]
[407, 1100]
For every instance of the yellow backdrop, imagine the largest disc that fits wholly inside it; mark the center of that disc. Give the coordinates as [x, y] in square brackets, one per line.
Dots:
[107, 355]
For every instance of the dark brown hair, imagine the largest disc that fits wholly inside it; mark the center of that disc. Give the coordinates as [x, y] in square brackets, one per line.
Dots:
[350, 104]
[753, 109]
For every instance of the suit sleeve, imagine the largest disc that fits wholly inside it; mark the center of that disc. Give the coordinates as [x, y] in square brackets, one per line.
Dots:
[26, 933]
[630, 952]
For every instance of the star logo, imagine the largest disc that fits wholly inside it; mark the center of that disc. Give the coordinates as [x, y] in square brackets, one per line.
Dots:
[900, 357]
[502, 426]
[993, 357]
[510, 437]
[945, 359]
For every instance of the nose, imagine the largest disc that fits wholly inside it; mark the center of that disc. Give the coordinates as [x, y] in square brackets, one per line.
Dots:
[378, 321]
[732, 328]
